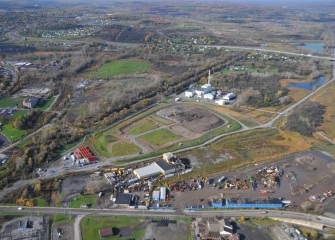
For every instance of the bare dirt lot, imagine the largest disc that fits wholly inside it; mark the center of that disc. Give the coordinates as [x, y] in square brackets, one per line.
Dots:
[66, 230]
[190, 116]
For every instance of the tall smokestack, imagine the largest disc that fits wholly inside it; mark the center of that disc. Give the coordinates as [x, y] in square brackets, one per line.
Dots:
[209, 76]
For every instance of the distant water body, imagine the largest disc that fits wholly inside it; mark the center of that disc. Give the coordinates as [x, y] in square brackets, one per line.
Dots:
[308, 85]
[314, 47]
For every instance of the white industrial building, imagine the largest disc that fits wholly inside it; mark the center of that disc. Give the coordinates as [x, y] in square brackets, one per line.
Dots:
[190, 92]
[204, 89]
[200, 91]
[221, 102]
[209, 96]
[229, 96]
[154, 169]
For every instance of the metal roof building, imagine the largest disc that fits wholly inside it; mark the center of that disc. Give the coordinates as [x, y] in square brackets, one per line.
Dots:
[148, 171]
[154, 169]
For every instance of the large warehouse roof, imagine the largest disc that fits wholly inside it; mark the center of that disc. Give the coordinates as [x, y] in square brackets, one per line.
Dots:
[148, 171]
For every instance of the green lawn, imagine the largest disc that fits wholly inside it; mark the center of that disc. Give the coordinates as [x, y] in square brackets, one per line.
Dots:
[120, 67]
[46, 104]
[90, 226]
[124, 148]
[160, 137]
[40, 202]
[12, 134]
[82, 199]
[62, 218]
[101, 143]
[142, 127]
[9, 102]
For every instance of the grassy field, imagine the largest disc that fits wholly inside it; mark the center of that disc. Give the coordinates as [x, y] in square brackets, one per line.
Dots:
[11, 133]
[82, 199]
[9, 102]
[40, 202]
[250, 147]
[160, 137]
[62, 218]
[90, 226]
[124, 148]
[100, 144]
[14, 134]
[46, 104]
[142, 126]
[119, 67]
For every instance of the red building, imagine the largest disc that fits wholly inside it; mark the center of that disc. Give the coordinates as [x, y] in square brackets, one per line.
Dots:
[84, 152]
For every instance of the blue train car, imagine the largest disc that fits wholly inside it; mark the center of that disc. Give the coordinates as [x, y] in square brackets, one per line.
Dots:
[254, 203]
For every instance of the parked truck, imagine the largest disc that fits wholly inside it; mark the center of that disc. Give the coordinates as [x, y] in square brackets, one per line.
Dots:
[221, 179]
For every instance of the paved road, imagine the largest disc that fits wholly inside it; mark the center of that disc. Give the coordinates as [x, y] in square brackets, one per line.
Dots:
[77, 231]
[290, 108]
[155, 213]
[267, 50]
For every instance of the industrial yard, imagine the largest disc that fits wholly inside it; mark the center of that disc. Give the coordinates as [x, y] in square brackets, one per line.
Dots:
[289, 182]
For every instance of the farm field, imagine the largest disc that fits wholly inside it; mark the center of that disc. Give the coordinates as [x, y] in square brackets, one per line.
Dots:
[160, 137]
[90, 226]
[119, 67]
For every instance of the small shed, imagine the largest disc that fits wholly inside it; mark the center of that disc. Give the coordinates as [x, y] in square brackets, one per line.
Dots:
[155, 195]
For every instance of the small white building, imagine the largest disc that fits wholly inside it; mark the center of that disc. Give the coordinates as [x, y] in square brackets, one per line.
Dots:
[167, 156]
[221, 102]
[189, 93]
[209, 96]
[229, 96]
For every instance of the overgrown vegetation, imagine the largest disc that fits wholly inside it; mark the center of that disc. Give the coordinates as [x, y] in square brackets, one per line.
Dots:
[306, 118]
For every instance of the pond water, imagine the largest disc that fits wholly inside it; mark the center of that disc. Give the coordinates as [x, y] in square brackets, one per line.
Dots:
[314, 47]
[308, 85]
